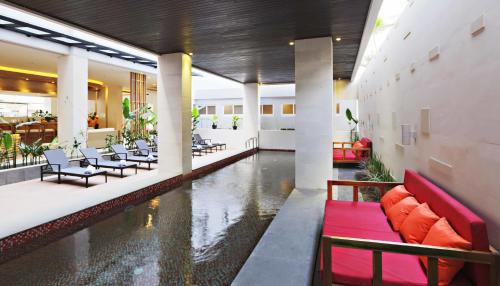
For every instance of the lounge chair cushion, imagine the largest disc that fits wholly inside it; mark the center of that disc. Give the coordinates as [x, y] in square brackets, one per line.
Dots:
[353, 266]
[80, 171]
[338, 155]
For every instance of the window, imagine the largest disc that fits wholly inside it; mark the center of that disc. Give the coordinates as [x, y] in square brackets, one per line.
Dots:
[228, 109]
[266, 109]
[207, 110]
[233, 109]
[288, 109]
[337, 108]
[238, 109]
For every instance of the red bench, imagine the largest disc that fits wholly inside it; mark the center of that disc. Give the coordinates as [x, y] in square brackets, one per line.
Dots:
[359, 246]
[348, 152]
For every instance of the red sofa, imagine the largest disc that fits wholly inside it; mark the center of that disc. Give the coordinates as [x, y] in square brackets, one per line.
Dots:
[366, 220]
[343, 154]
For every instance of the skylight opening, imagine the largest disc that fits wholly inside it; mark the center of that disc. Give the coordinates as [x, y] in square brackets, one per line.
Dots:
[388, 16]
[109, 51]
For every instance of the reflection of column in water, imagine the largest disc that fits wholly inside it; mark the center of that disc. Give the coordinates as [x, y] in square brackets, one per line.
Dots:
[81, 253]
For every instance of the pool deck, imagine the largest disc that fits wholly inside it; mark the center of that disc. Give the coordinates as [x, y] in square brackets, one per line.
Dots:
[31, 203]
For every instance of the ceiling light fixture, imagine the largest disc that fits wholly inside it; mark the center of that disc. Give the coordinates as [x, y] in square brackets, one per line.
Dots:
[143, 61]
[33, 31]
[3, 22]
[128, 57]
[190, 54]
[27, 79]
[91, 46]
[66, 40]
[108, 51]
[338, 39]
[291, 43]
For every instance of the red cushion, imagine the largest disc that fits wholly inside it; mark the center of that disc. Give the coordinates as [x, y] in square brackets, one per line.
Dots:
[464, 222]
[338, 155]
[394, 196]
[358, 145]
[400, 211]
[442, 234]
[417, 224]
[354, 267]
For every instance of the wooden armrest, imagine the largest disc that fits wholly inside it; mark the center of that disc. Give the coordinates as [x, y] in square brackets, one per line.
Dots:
[431, 252]
[382, 186]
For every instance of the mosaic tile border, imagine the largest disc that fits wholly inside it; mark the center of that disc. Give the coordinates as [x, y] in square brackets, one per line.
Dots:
[28, 240]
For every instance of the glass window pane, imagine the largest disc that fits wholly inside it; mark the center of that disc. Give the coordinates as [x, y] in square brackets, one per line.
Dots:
[267, 109]
[211, 109]
[238, 109]
[287, 109]
[228, 109]
[203, 110]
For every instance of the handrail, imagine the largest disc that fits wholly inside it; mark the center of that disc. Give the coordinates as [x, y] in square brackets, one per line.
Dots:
[431, 252]
[382, 186]
[253, 142]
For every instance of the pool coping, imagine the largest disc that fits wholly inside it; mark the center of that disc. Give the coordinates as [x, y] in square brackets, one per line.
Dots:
[27, 240]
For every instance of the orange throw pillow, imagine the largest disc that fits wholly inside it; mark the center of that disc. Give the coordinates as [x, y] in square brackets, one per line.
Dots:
[400, 211]
[442, 234]
[393, 196]
[357, 145]
[417, 224]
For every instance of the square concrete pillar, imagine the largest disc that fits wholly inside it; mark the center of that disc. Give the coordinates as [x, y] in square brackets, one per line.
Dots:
[72, 97]
[174, 114]
[314, 112]
[114, 106]
[251, 112]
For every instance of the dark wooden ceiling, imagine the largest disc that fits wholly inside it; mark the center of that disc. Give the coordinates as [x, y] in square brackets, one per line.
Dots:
[246, 40]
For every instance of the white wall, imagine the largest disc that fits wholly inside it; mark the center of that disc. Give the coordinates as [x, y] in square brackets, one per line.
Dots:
[234, 139]
[277, 139]
[462, 151]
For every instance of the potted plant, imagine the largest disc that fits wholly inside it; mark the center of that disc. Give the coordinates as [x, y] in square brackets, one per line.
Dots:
[195, 116]
[235, 120]
[350, 118]
[215, 120]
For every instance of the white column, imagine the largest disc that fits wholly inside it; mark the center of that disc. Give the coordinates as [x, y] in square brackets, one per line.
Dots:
[314, 115]
[72, 97]
[174, 114]
[115, 114]
[251, 110]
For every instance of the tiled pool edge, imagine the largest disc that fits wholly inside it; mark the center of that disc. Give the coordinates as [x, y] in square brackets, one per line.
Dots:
[13, 245]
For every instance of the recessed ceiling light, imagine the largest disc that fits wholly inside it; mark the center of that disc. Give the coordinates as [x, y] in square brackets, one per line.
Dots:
[143, 61]
[3, 22]
[27, 79]
[66, 40]
[291, 43]
[190, 54]
[108, 51]
[128, 57]
[91, 46]
[338, 39]
[33, 31]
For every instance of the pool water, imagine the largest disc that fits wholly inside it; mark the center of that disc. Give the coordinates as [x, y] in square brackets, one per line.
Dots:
[200, 233]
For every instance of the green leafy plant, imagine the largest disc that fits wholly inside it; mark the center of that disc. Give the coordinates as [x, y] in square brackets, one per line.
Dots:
[350, 118]
[32, 153]
[5, 145]
[376, 171]
[235, 121]
[195, 118]
[110, 140]
[215, 120]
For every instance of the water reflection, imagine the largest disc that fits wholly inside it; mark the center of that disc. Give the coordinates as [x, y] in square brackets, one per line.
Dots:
[198, 234]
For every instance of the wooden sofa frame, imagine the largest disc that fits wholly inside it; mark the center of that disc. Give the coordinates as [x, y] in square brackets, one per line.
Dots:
[378, 246]
[343, 147]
